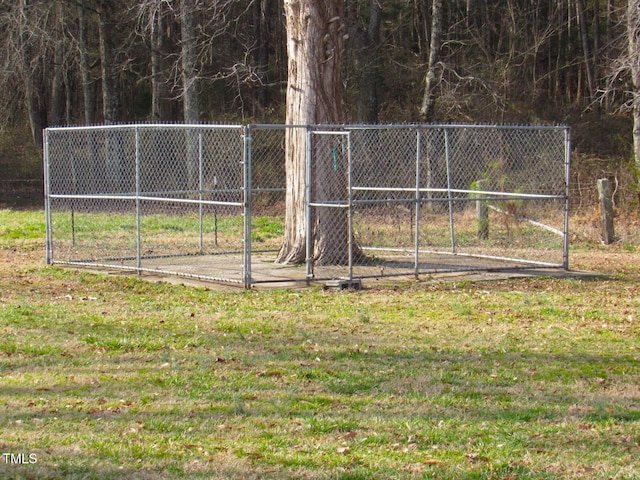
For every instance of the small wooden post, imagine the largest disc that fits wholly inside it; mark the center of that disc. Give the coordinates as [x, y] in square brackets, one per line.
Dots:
[482, 212]
[606, 209]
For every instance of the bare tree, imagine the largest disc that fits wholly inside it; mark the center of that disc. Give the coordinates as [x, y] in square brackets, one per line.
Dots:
[197, 59]
[586, 49]
[107, 28]
[59, 70]
[261, 52]
[633, 62]
[25, 49]
[159, 84]
[364, 45]
[155, 26]
[85, 63]
[202, 26]
[431, 80]
[190, 75]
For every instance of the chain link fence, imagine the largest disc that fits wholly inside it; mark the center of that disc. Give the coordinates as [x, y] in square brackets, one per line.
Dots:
[210, 202]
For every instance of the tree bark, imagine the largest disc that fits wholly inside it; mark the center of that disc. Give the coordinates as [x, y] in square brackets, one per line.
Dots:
[190, 81]
[111, 103]
[85, 66]
[57, 87]
[314, 96]
[37, 110]
[160, 111]
[431, 80]
[190, 87]
[59, 72]
[32, 71]
[586, 49]
[260, 54]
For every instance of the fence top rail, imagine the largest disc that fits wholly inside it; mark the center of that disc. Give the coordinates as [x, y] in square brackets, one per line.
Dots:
[212, 126]
[441, 126]
[134, 126]
[459, 126]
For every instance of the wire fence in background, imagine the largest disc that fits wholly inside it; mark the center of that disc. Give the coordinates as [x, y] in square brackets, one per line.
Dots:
[209, 201]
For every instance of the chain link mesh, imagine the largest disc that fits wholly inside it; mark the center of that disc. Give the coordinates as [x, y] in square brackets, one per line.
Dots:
[209, 201]
[445, 198]
[147, 198]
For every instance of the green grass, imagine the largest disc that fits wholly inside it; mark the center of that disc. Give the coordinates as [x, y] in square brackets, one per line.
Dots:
[78, 235]
[16, 226]
[114, 377]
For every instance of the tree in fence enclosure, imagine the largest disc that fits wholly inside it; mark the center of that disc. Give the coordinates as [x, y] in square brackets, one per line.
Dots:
[315, 93]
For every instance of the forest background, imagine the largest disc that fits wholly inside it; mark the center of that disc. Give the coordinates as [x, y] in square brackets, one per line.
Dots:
[80, 62]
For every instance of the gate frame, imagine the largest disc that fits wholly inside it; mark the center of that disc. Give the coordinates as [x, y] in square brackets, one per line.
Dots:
[310, 204]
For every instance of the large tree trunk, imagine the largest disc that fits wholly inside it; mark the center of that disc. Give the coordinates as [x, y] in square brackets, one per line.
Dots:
[314, 96]
[633, 33]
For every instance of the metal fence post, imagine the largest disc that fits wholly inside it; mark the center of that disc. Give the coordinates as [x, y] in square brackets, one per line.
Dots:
[47, 200]
[448, 162]
[138, 237]
[350, 205]
[309, 235]
[247, 207]
[74, 183]
[567, 163]
[200, 187]
[417, 203]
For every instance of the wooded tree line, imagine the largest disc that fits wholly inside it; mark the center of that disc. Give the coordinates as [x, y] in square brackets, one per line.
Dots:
[75, 62]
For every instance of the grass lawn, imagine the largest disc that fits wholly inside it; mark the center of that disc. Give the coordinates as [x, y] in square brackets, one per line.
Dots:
[105, 377]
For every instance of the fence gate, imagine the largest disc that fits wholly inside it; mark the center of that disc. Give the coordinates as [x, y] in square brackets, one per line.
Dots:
[330, 247]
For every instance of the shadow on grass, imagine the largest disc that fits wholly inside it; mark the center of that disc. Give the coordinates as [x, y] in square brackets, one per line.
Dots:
[270, 389]
[475, 386]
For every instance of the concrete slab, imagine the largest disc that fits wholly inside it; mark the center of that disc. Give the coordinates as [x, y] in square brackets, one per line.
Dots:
[226, 272]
